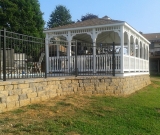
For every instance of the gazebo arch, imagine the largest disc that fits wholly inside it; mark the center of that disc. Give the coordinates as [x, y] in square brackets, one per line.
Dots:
[105, 42]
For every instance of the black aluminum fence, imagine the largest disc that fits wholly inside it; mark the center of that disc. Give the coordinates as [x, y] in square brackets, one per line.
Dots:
[21, 56]
[80, 60]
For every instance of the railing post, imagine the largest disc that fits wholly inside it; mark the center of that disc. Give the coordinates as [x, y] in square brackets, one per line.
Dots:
[113, 60]
[4, 54]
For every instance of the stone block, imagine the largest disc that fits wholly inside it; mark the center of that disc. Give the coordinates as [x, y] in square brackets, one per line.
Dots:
[14, 92]
[86, 81]
[108, 80]
[103, 84]
[22, 96]
[68, 81]
[89, 88]
[80, 88]
[109, 92]
[35, 99]
[52, 95]
[88, 84]
[67, 89]
[41, 93]
[87, 92]
[51, 83]
[2, 107]
[64, 86]
[101, 80]
[11, 105]
[44, 83]
[59, 91]
[53, 91]
[74, 85]
[94, 92]
[100, 91]
[44, 98]
[1, 88]
[15, 86]
[26, 90]
[3, 98]
[23, 86]
[17, 104]
[12, 98]
[117, 92]
[81, 84]
[24, 102]
[8, 87]
[39, 80]
[57, 82]
[33, 85]
[32, 95]
[75, 89]
[102, 87]
[5, 92]
[74, 81]
[39, 89]
[95, 81]
[5, 83]
[53, 86]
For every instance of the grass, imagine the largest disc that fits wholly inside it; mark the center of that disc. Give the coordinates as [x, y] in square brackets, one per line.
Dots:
[137, 114]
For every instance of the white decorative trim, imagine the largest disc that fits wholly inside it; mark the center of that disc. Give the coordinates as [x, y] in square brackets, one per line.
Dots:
[132, 74]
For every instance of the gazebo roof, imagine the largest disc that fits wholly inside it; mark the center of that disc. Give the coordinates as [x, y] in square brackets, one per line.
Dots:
[90, 22]
[104, 22]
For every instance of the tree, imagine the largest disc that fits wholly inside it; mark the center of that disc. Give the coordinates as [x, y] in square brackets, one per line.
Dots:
[22, 16]
[88, 16]
[59, 17]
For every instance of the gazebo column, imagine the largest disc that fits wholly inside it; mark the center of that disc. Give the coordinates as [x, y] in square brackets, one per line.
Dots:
[47, 52]
[143, 56]
[69, 54]
[94, 36]
[129, 51]
[134, 53]
[122, 51]
[139, 54]
[148, 57]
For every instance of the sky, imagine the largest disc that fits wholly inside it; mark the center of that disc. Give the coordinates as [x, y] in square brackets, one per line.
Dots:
[142, 15]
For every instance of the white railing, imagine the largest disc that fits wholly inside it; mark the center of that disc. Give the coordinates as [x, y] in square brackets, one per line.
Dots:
[135, 64]
[103, 63]
[84, 63]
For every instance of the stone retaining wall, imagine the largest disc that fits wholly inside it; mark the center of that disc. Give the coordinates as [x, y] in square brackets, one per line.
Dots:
[17, 93]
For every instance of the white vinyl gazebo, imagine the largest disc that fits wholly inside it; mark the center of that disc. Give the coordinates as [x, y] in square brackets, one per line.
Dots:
[131, 48]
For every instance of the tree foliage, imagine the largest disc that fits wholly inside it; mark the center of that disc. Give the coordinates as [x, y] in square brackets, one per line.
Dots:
[22, 16]
[88, 16]
[59, 17]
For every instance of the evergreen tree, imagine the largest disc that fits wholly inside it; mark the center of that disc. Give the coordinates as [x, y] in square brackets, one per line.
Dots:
[22, 16]
[60, 16]
[88, 16]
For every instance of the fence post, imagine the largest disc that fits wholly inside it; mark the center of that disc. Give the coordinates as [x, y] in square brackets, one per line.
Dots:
[76, 69]
[113, 60]
[4, 54]
[45, 50]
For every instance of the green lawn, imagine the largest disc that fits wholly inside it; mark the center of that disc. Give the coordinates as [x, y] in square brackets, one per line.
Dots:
[137, 114]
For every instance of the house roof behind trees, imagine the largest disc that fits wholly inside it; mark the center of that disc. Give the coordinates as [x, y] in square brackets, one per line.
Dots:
[90, 22]
[152, 37]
